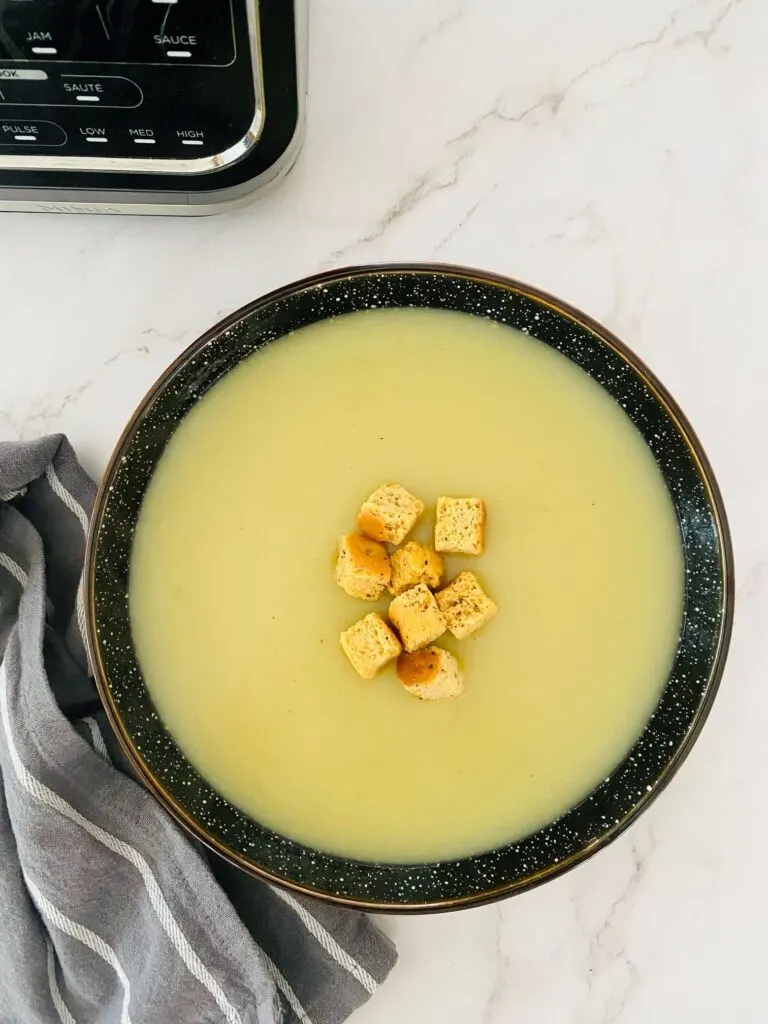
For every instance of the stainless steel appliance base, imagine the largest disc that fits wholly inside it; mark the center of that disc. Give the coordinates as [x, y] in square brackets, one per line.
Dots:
[191, 204]
[178, 137]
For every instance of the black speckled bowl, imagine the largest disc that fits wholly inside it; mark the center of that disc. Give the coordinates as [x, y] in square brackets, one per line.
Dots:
[650, 764]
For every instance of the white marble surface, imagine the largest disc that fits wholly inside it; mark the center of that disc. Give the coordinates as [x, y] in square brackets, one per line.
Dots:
[617, 155]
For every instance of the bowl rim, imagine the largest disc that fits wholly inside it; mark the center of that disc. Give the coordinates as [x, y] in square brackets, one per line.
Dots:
[705, 472]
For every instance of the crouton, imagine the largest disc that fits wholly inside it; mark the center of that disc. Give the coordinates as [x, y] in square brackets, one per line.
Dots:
[416, 617]
[431, 674]
[369, 645]
[413, 563]
[460, 525]
[363, 568]
[389, 514]
[465, 605]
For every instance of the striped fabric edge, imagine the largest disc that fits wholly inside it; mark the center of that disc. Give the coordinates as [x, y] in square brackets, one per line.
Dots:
[87, 937]
[80, 615]
[289, 995]
[21, 577]
[77, 510]
[49, 798]
[56, 997]
[71, 502]
[98, 740]
[10, 495]
[328, 943]
[14, 569]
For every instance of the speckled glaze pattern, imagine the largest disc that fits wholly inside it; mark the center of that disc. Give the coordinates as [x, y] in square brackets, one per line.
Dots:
[619, 799]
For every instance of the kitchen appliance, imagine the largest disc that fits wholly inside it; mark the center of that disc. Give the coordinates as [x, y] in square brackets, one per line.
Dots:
[148, 106]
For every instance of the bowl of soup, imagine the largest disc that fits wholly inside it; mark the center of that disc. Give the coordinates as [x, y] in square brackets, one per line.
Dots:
[214, 619]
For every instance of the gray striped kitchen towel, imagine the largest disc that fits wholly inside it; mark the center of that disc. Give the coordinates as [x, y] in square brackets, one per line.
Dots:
[108, 912]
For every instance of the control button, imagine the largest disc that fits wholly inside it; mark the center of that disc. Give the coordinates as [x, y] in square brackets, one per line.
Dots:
[31, 133]
[180, 33]
[22, 75]
[54, 30]
[142, 136]
[94, 134]
[69, 90]
[191, 136]
[24, 88]
[106, 91]
[32, 30]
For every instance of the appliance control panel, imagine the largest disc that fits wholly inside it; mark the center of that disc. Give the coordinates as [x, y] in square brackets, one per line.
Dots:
[169, 85]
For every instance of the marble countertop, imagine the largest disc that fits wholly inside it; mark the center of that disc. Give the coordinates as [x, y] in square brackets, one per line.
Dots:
[616, 155]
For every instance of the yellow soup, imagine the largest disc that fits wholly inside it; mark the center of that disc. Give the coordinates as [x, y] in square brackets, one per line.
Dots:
[236, 615]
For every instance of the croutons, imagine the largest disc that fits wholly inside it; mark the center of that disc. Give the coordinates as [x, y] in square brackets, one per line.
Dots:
[363, 568]
[416, 617]
[460, 525]
[418, 614]
[431, 674]
[389, 514]
[369, 645]
[464, 605]
[413, 563]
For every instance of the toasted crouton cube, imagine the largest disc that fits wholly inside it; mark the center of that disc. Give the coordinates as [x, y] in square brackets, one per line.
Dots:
[460, 525]
[416, 617]
[413, 563]
[389, 514]
[369, 645]
[431, 674]
[363, 568]
[465, 605]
